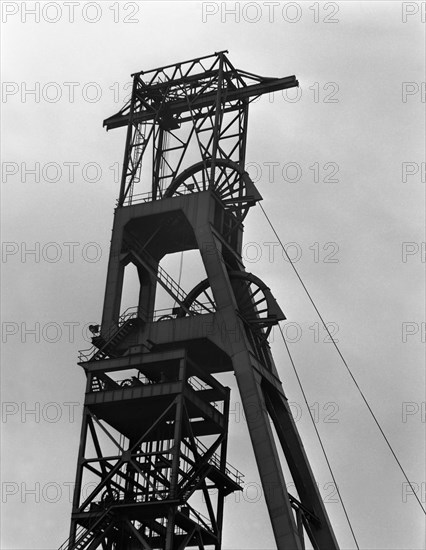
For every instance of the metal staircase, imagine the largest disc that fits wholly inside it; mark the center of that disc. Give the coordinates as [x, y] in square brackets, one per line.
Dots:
[144, 258]
[194, 481]
[86, 535]
[105, 346]
[108, 348]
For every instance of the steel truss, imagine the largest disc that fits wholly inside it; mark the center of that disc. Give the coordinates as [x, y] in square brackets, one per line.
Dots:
[209, 94]
[155, 424]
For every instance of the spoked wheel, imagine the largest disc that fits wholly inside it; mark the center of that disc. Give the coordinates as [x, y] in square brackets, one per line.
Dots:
[256, 305]
[199, 300]
[230, 182]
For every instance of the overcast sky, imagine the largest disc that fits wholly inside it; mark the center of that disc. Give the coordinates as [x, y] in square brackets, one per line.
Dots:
[340, 169]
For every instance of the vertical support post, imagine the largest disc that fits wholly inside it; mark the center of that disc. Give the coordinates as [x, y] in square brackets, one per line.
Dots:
[177, 438]
[268, 463]
[146, 294]
[300, 527]
[115, 278]
[217, 119]
[243, 123]
[128, 147]
[79, 472]
[157, 163]
[224, 448]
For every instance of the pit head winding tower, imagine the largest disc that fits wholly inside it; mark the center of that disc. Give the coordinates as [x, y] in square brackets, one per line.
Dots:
[155, 424]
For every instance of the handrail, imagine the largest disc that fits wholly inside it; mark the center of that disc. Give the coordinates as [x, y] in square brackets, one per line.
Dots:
[138, 198]
[199, 308]
[163, 277]
[202, 520]
[200, 386]
[166, 280]
[83, 531]
[130, 313]
[230, 470]
[215, 461]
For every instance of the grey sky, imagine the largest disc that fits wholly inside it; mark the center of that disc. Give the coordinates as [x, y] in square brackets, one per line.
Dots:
[354, 113]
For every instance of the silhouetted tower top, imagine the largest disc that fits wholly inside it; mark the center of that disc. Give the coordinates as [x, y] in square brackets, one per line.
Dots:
[200, 106]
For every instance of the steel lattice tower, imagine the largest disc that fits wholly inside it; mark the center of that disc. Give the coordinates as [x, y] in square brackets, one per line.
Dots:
[155, 422]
